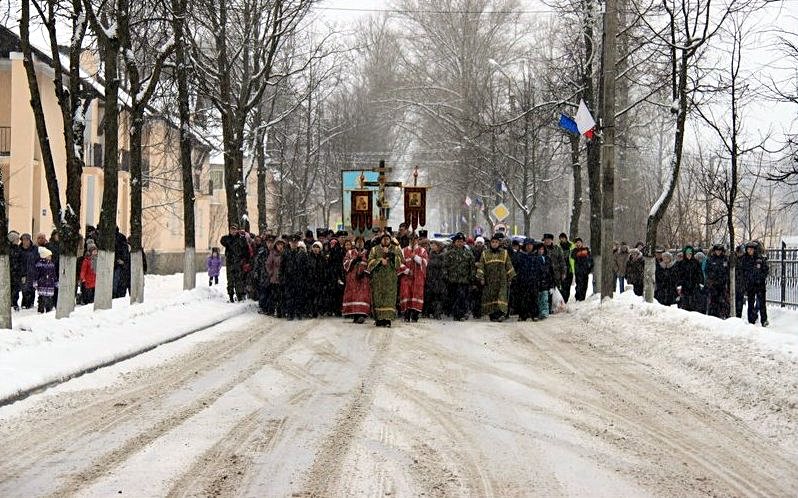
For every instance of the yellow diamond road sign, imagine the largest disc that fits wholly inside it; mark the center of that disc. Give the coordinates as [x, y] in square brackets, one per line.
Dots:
[500, 212]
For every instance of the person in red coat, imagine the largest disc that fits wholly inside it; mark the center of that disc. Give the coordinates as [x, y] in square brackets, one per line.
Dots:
[357, 293]
[411, 284]
[88, 274]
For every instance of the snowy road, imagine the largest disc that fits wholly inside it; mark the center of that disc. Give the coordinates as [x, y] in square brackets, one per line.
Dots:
[323, 408]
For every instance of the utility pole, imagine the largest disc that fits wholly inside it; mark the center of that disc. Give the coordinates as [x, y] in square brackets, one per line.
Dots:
[608, 146]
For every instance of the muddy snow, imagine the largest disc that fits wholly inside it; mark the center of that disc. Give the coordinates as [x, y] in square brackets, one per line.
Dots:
[576, 405]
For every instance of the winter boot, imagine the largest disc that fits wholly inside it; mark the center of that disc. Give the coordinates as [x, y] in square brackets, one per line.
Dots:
[414, 316]
[765, 323]
[360, 319]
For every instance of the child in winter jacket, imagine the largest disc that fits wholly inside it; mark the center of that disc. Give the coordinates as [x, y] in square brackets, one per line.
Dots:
[214, 265]
[88, 274]
[45, 280]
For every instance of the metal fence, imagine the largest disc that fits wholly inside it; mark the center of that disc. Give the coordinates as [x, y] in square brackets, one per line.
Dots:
[782, 283]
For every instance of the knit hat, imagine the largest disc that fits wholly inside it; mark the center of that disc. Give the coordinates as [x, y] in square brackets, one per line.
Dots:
[480, 240]
[13, 237]
[44, 252]
[301, 245]
[318, 244]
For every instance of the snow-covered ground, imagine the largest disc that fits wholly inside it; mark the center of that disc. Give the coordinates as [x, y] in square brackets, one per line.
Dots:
[750, 371]
[40, 349]
[620, 398]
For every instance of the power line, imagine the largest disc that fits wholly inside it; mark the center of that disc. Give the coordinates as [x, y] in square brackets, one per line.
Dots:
[412, 11]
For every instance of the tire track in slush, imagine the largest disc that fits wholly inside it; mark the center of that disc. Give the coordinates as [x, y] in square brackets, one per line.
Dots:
[114, 458]
[706, 454]
[222, 469]
[325, 472]
[72, 422]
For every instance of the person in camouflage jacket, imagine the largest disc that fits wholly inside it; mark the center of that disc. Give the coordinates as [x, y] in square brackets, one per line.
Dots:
[459, 270]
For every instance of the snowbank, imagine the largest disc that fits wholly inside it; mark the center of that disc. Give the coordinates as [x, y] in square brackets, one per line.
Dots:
[40, 349]
[750, 371]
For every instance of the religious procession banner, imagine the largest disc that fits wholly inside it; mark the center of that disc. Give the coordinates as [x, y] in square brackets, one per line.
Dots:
[415, 207]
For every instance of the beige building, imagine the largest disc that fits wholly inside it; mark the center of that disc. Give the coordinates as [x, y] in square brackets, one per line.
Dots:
[26, 188]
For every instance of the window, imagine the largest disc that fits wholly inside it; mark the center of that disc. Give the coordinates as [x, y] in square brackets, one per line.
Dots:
[216, 180]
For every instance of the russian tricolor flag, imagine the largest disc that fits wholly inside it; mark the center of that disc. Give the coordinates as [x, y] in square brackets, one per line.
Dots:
[581, 124]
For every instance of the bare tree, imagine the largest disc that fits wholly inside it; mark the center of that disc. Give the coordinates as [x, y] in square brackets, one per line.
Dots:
[143, 76]
[73, 100]
[691, 24]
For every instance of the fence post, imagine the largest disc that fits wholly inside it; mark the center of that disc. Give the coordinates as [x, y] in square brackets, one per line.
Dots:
[783, 273]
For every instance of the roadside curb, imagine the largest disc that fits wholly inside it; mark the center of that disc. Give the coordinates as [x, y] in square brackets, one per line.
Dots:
[39, 388]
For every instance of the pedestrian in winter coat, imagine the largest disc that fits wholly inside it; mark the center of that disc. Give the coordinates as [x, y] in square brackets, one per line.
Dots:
[754, 269]
[689, 281]
[45, 279]
[87, 280]
[411, 285]
[543, 270]
[17, 272]
[259, 277]
[717, 282]
[29, 256]
[273, 263]
[620, 259]
[384, 265]
[236, 253]
[558, 260]
[435, 285]
[494, 272]
[337, 279]
[357, 293]
[214, 266]
[665, 280]
[459, 267]
[317, 277]
[476, 290]
[739, 288]
[567, 246]
[525, 282]
[583, 266]
[293, 268]
[635, 269]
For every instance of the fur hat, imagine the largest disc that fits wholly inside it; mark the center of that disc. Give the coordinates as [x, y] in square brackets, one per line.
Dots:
[44, 252]
[497, 236]
[318, 244]
[548, 236]
[301, 245]
[458, 236]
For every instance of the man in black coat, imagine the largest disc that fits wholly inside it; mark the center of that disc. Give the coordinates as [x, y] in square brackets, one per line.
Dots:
[717, 272]
[691, 280]
[754, 269]
[236, 254]
[293, 268]
[583, 266]
[17, 267]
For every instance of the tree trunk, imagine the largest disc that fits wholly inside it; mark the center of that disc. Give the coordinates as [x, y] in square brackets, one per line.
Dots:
[106, 239]
[649, 278]
[261, 155]
[186, 163]
[594, 179]
[67, 283]
[136, 276]
[576, 209]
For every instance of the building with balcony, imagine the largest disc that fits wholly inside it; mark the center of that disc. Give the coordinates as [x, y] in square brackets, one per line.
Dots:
[25, 184]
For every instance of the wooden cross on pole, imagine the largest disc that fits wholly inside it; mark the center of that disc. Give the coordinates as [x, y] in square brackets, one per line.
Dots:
[382, 183]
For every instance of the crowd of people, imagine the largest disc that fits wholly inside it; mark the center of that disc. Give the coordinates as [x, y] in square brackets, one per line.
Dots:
[401, 274]
[697, 282]
[409, 275]
[34, 269]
